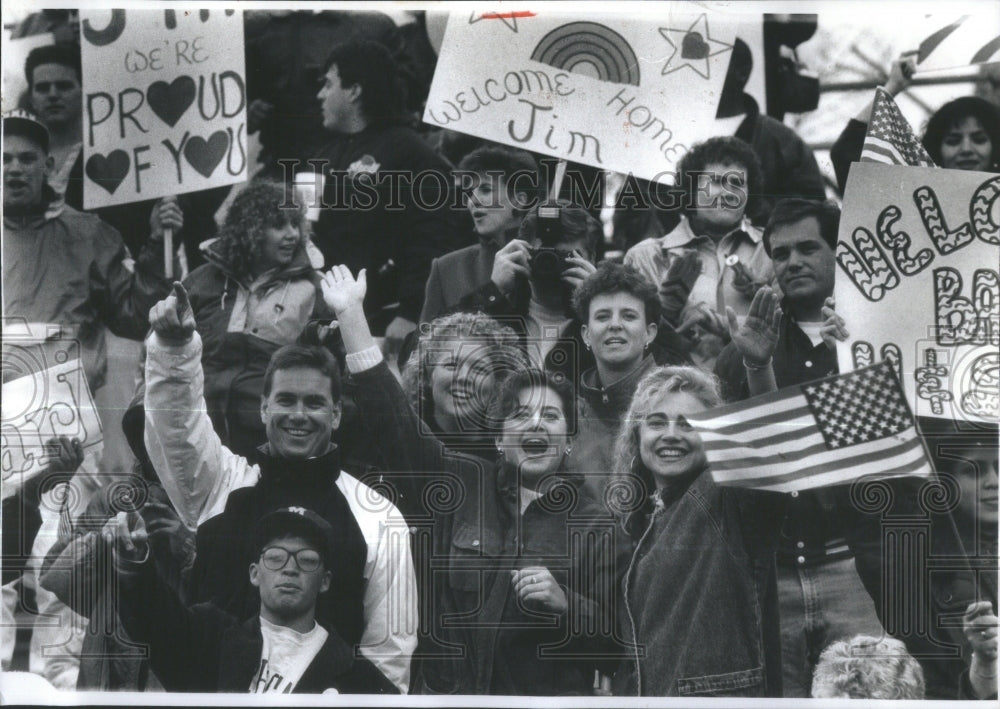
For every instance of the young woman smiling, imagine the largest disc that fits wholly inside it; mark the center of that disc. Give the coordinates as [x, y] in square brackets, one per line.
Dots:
[696, 590]
[516, 543]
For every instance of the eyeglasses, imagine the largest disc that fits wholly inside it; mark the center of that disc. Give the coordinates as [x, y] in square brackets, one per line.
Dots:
[275, 558]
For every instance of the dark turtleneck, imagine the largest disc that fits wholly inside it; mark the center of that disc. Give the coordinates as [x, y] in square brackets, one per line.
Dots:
[295, 477]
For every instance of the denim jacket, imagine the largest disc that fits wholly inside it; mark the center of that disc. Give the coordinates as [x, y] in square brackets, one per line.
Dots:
[697, 595]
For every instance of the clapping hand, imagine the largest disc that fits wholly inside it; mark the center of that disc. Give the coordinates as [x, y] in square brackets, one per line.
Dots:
[676, 287]
[757, 337]
[834, 328]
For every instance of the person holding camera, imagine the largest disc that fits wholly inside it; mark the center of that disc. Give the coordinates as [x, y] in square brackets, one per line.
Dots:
[532, 284]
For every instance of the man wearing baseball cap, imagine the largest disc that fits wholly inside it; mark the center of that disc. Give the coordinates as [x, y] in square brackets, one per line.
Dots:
[203, 649]
[65, 271]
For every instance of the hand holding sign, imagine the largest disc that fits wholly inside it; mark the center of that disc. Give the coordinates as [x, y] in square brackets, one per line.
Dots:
[172, 319]
[167, 214]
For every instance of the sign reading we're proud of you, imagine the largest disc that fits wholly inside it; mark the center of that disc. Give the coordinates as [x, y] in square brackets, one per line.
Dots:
[628, 94]
[164, 102]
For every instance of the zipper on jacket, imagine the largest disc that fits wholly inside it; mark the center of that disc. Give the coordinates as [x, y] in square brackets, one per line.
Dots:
[628, 607]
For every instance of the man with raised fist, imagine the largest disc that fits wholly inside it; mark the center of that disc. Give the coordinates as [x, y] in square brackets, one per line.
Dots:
[372, 604]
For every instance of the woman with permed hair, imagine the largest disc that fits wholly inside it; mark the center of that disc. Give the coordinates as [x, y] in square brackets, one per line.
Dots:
[696, 593]
[257, 292]
[455, 372]
[714, 258]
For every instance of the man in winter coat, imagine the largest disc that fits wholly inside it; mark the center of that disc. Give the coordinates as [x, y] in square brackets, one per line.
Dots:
[65, 274]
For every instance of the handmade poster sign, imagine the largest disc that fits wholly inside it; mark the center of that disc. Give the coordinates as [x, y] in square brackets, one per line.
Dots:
[628, 95]
[164, 106]
[38, 407]
[918, 257]
[959, 40]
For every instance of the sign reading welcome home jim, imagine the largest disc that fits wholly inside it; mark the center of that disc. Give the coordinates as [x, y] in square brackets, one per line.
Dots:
[629, 95]
[164, 103]
[917, 283]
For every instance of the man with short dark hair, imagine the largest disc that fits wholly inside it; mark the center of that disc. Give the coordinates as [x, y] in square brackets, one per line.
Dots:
[283, 649]
[64, 269]
[800, 239]
[832, 578]
[373, 603]
[54, 77]
[391, 225]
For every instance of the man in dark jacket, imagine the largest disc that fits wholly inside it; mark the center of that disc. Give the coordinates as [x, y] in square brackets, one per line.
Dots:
[833, 580]
[283, 650]
[387, 198]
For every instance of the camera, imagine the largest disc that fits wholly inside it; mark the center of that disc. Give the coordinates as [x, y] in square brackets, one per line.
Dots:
[547, 263]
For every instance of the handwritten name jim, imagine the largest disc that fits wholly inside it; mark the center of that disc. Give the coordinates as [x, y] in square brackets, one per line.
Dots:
[876, 264]
[531, 89]
[142, 110]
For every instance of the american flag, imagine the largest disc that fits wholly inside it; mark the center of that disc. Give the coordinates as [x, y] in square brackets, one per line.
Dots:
[889, 139]
[825, 432]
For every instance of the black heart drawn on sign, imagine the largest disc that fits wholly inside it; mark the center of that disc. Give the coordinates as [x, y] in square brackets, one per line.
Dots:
[205, 155]
[170, 101]
[108, 172]
[694, 46]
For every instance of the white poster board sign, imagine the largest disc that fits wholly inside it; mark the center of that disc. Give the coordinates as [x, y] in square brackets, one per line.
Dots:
[918, 256]
[38, 407]
[164, 107]
[960, 39]
[628, 94]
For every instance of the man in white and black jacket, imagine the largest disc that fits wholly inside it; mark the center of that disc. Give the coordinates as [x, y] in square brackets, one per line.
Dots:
[373, 604]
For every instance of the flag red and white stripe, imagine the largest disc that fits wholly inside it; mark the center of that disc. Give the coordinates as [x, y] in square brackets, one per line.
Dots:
[826, 432]
[889, 139]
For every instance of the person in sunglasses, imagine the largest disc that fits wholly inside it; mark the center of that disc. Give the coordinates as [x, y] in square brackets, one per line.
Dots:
[284, 649]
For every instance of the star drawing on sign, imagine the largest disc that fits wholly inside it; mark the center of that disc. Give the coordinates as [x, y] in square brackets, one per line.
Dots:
[693, 47]
[508, 18]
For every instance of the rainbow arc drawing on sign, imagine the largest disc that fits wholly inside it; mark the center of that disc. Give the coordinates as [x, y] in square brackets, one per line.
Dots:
[590, 49]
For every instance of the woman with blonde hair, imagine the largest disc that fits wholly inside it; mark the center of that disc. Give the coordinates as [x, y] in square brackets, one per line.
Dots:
[697, 593]
[454, 374]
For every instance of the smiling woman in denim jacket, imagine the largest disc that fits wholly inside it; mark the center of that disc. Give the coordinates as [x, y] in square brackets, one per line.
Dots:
[699, 597]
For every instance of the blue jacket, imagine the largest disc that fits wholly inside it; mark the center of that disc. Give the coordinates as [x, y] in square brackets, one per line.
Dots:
[698, 595]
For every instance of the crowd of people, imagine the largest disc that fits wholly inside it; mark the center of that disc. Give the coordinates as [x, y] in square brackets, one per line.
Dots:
[396, 449]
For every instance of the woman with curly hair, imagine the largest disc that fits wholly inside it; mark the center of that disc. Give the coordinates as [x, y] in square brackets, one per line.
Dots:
[451, 378]
[257, 292]
[714, 258]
